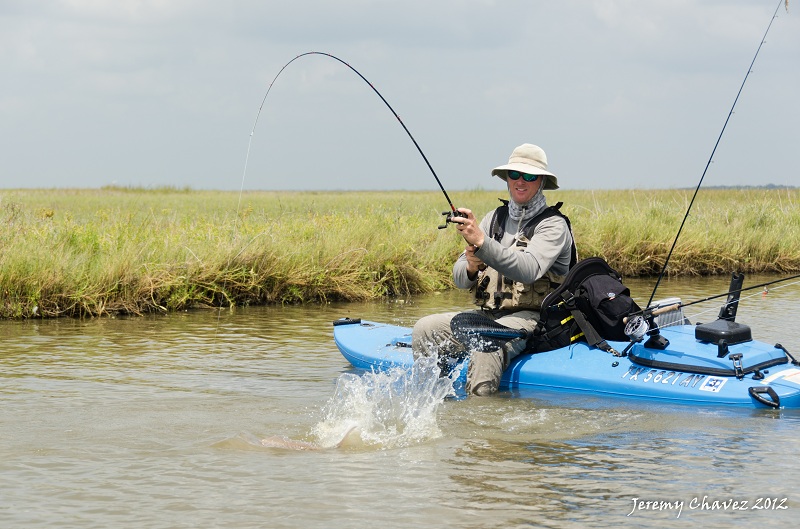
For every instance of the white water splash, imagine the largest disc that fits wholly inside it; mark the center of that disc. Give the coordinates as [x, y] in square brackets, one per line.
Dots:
[389, 409]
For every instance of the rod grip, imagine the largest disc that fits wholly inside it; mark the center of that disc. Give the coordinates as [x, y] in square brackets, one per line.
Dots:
[659, 310]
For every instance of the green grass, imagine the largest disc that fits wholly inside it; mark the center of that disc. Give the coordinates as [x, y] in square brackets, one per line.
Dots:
[120, 250]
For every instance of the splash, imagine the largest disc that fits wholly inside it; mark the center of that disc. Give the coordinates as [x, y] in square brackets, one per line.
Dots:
[388, 409]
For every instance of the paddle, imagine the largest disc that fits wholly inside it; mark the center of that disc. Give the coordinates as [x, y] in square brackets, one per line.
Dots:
[481, 333]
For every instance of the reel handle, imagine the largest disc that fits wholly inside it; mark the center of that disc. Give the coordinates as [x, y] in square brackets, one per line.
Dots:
[448, 218]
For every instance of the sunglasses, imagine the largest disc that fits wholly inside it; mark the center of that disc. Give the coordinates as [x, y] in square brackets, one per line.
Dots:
[514, 175]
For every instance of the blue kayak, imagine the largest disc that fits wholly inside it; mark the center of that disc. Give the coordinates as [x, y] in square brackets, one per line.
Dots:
[687, 371]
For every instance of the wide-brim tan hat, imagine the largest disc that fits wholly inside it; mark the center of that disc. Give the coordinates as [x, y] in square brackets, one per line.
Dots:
[531, 159]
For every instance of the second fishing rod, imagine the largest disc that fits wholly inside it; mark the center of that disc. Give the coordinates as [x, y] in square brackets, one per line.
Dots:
[714, 150]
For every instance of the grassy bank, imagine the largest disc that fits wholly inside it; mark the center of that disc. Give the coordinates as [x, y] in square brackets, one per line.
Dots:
[93, 252]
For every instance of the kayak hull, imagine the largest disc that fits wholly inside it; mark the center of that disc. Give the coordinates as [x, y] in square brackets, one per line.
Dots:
[686, 372]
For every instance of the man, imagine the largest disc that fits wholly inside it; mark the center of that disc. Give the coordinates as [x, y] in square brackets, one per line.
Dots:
[516, 256]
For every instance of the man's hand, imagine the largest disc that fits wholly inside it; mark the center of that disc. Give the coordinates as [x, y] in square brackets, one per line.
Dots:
[474, 264]
[468, 228]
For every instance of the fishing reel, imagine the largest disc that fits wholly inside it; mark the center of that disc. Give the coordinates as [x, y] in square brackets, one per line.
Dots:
[636, 328]
[644, 324]
[449, 218]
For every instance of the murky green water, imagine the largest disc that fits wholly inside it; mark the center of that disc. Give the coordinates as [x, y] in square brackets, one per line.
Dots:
[205, 420]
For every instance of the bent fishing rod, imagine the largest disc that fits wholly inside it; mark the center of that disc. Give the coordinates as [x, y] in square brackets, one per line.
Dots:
[449, 214]
[714, 150]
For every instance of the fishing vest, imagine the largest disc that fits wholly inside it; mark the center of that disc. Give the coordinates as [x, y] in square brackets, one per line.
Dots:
[494, 291]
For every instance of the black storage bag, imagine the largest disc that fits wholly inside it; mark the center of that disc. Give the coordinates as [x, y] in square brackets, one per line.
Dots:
[606, 302]
[590, 305]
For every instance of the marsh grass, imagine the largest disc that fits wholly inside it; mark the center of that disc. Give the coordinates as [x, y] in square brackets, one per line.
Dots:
[119, 250]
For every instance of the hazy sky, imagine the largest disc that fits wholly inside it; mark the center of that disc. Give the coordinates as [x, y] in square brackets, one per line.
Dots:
[620, 94]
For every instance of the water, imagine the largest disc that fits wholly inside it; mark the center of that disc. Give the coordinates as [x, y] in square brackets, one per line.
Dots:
[253, 419]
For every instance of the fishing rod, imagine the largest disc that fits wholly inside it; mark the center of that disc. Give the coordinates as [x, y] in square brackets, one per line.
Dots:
[642, 322]
[675, 306]
[714, 150]
[449, 214]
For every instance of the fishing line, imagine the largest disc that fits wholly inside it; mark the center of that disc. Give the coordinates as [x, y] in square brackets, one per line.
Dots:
[453, 211]
[714, 150]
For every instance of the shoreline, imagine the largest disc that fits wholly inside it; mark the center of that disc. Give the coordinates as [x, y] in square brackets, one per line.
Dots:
[95, 252]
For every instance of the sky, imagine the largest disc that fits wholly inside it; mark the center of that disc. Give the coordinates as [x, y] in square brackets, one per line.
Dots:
[620, 94]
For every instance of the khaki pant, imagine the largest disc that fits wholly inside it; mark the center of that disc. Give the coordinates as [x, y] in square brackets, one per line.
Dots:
[432, 336]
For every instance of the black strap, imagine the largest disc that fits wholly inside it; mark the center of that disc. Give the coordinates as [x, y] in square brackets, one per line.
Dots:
[497, 227]
[786, 352]
[593, 338]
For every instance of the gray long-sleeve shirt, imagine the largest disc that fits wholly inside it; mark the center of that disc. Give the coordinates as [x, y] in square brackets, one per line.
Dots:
[548, 250]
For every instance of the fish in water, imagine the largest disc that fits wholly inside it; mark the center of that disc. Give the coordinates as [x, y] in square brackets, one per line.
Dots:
[286, 443]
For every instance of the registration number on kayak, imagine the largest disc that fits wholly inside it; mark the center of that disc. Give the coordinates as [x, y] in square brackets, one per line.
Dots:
[673, 378]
